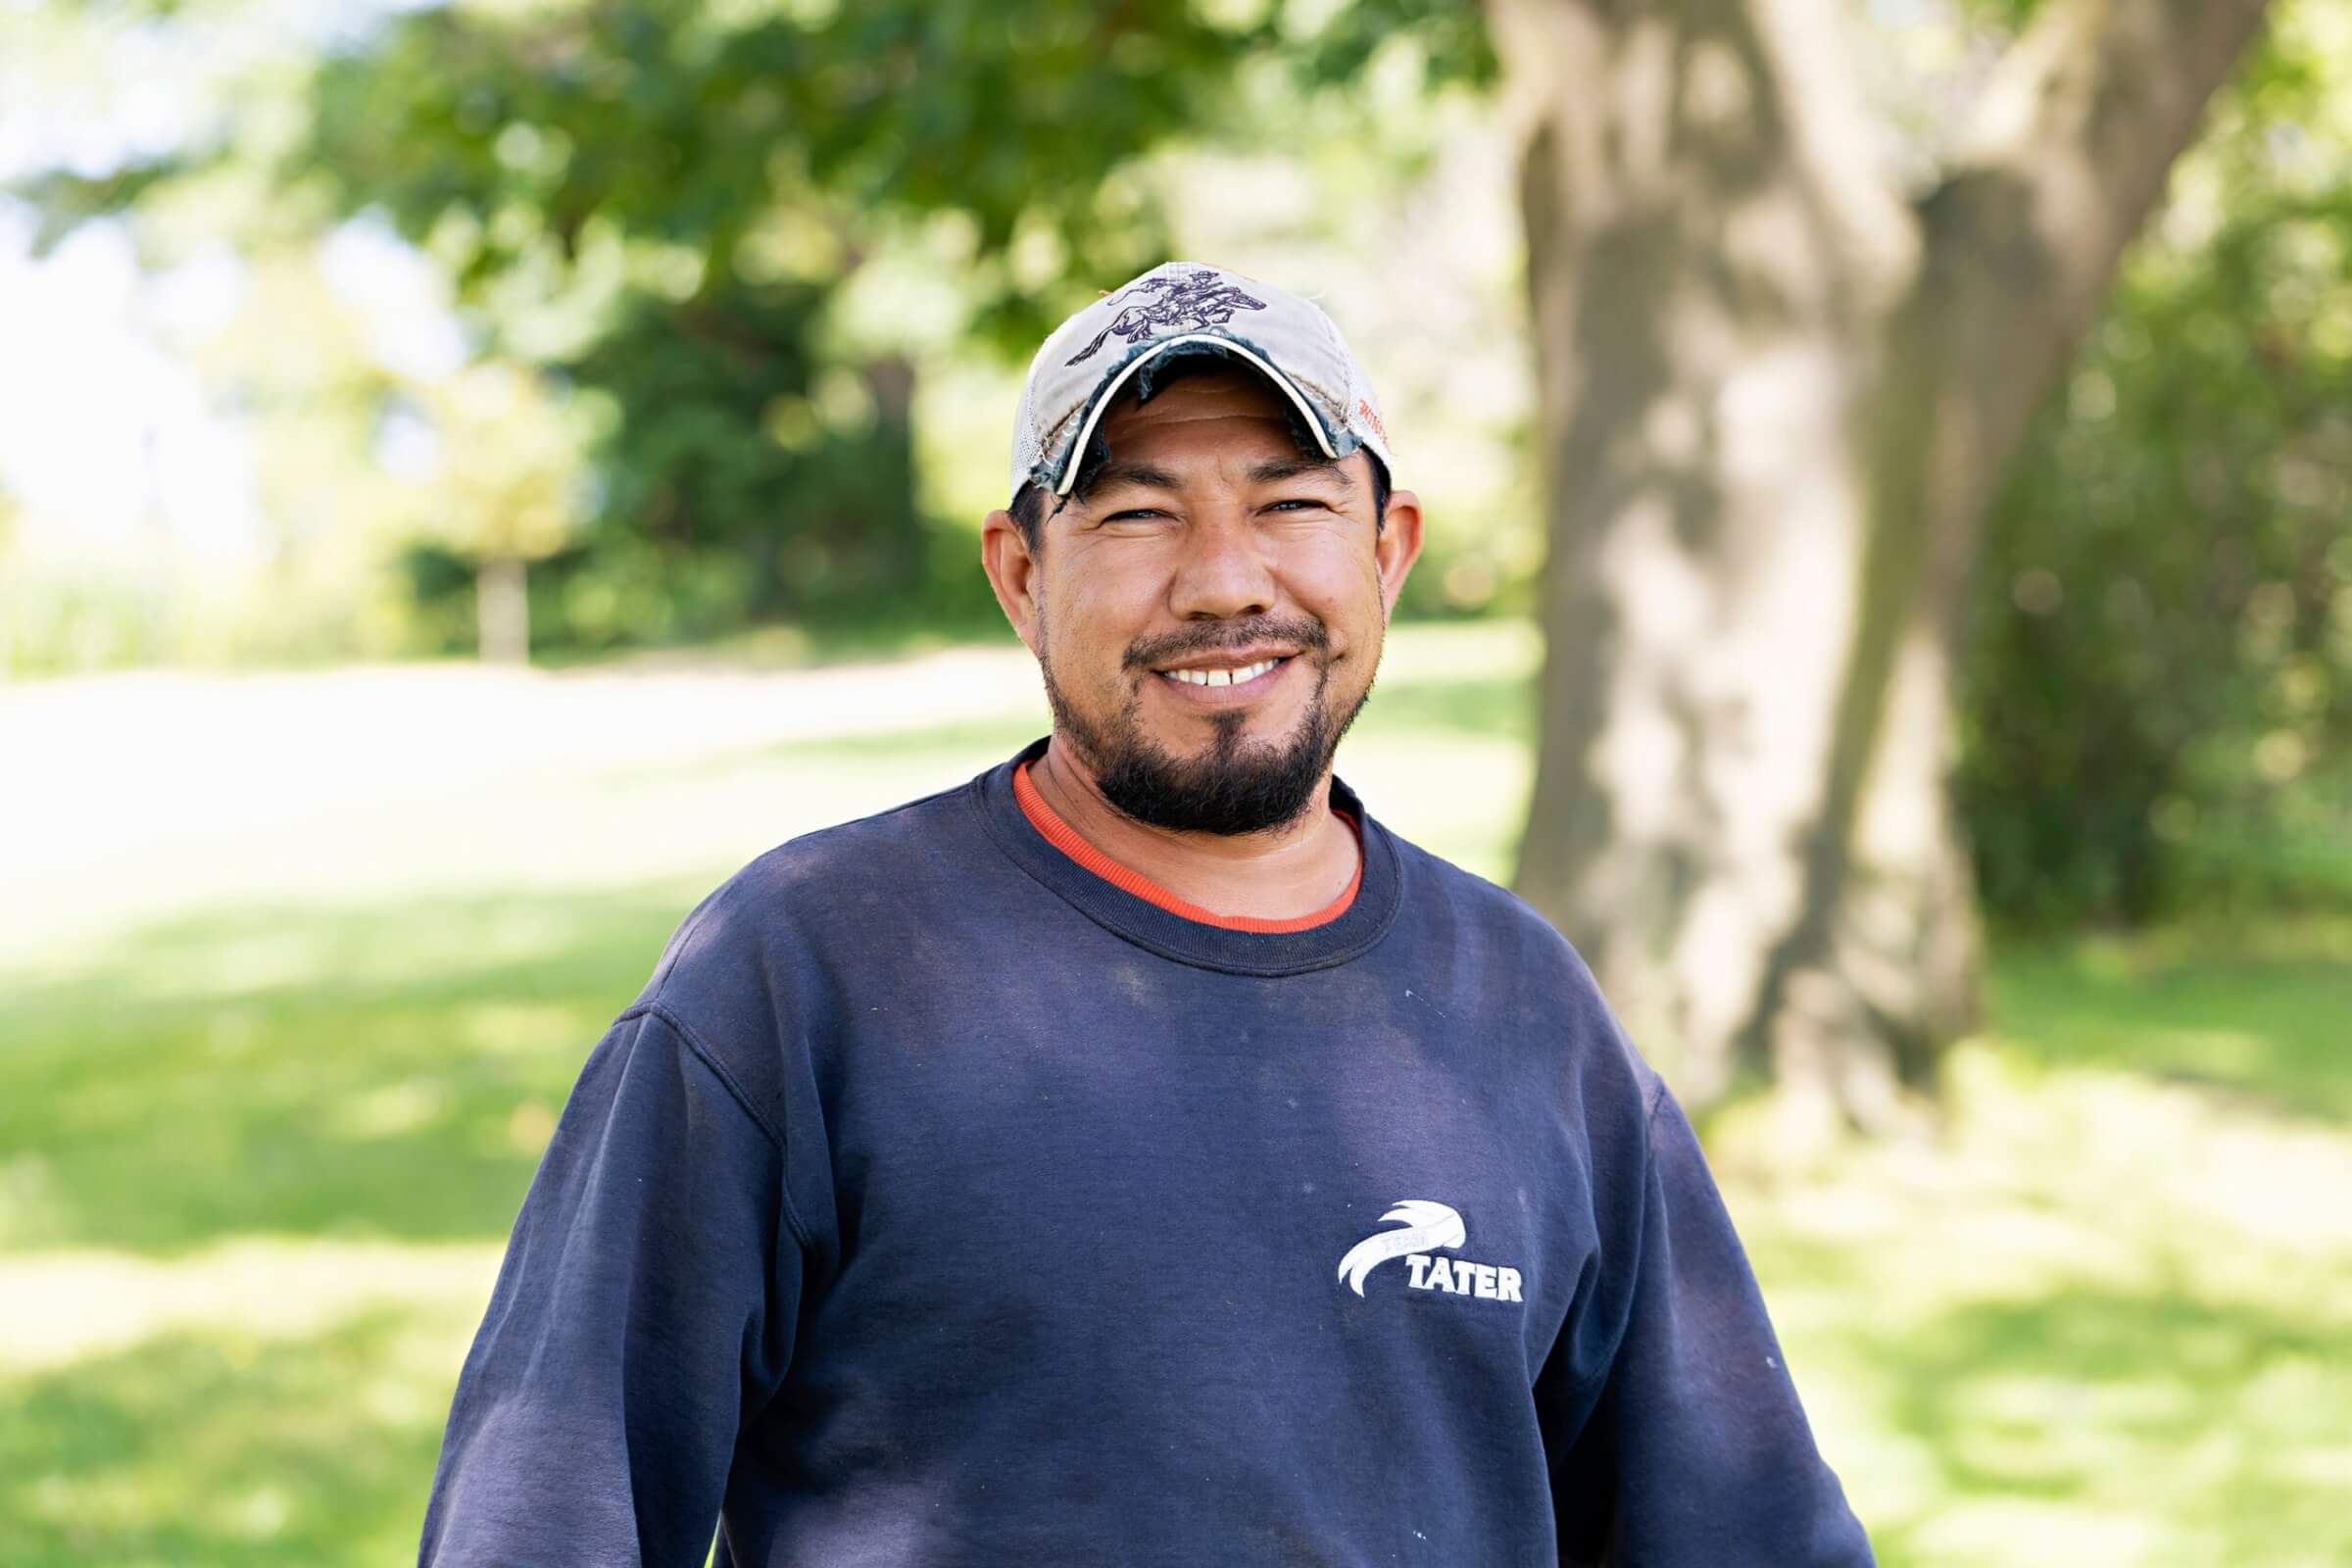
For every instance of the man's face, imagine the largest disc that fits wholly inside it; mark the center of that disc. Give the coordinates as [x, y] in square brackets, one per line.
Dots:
[1209, 616]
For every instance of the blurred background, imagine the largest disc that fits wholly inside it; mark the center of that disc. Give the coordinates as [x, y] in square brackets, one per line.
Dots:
[472, 474]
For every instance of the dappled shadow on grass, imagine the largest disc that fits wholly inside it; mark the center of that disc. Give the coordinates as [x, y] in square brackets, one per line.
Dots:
[2092, 1423]
[2261, 1015]
[200, 1451]
[382, 1071]
[2102, 1316]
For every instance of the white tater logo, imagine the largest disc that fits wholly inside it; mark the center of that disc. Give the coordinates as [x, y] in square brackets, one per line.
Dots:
[1428, 1226]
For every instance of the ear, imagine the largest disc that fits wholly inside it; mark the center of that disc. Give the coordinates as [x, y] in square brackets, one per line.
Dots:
[1013, 572]
[1397, 546]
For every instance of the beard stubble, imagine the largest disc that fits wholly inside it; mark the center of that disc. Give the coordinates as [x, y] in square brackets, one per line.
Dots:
[1234, 787]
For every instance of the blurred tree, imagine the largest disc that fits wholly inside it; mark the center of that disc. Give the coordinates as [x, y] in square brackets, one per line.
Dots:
[2159, 677]
[704, 185]
[1777, 396]
[672, 201]
[504, 489]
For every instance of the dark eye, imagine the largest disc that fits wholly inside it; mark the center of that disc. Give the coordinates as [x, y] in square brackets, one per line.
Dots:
[1134, 512]
[1301, 502]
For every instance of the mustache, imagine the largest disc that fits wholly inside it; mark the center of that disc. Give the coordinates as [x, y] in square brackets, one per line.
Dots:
[1305, 632]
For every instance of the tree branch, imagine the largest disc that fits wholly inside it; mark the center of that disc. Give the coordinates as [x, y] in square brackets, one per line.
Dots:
[1834, 146]
[2067, 158]
[2073, 141]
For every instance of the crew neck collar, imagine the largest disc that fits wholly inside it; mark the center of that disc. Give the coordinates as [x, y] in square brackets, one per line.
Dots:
[1365, 920]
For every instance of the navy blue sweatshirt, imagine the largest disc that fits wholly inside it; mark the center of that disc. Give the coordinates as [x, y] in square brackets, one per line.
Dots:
[938, 1202]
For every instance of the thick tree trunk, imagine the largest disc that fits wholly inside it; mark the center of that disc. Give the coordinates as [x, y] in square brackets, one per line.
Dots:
[1775, 400]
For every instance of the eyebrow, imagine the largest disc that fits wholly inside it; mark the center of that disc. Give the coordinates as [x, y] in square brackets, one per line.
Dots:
[1114, 477]
[1276, 470]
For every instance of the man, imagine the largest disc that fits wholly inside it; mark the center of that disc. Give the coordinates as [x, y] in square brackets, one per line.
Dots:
[1137, 1154]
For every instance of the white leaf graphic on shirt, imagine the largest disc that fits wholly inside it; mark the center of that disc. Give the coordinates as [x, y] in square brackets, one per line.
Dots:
[1427, 1225]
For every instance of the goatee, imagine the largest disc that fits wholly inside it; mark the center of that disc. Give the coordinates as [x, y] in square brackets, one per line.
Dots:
[1234, 787]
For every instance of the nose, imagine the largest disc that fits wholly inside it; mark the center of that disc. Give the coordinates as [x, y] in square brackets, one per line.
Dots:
[1225, 572]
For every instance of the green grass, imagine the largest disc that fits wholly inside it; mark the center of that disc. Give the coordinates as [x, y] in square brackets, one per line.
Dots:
[2264, 1012]
[2106, 1317]
[339, 1072]
[219, 1447]
[257, 1165]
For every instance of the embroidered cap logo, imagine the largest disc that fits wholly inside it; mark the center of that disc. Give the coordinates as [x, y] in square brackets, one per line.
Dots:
[1188, 301]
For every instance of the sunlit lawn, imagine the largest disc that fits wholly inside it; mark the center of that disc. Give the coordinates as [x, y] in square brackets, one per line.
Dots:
[256, 1160]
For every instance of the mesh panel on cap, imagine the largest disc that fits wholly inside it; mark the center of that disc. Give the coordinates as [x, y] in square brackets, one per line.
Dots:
[1028, 445]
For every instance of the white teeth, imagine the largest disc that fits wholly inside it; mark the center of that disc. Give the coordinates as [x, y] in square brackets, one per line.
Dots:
[1223, 678]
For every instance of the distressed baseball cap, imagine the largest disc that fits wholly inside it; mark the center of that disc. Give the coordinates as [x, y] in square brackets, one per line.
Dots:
[1187, 306]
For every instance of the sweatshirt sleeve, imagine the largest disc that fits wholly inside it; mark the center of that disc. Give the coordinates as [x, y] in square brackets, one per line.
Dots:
[644, 1312]
[1692, 1452]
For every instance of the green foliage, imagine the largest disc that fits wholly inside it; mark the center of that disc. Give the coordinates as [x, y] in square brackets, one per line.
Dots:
[502, 134]
[1449, 34]
[2160, 682]
[730, 438]
[676, 208]
[735, 170]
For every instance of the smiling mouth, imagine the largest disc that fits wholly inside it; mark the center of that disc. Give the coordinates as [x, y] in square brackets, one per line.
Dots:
[1226, 676]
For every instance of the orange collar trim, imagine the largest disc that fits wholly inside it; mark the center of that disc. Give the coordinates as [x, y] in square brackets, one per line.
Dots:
[1066, 838]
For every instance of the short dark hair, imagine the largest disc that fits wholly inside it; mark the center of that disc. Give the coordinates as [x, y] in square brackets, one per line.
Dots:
[1028, 505]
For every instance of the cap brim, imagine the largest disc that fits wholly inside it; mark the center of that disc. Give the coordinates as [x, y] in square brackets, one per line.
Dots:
[1110, 388]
